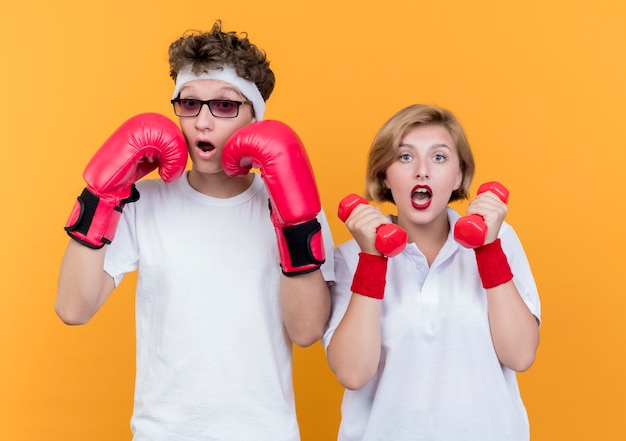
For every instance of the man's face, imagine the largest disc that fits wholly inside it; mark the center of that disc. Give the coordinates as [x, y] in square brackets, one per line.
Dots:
[205, 133]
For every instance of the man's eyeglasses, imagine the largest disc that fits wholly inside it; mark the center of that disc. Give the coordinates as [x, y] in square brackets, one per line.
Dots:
[186, 107]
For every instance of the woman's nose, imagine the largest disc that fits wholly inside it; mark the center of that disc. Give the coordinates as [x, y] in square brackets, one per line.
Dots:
[421, 169]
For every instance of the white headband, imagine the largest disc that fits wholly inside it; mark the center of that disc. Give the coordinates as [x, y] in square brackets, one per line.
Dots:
[228, 75]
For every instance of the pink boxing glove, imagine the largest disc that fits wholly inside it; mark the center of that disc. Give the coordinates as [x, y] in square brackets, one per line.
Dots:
[277, 151]
[136, 148]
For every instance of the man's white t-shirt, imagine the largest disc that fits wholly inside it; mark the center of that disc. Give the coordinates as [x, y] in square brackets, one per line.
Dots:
[214, 361]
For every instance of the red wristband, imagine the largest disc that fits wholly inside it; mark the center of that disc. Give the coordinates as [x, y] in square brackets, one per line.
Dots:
[493, 265]
[370, 276]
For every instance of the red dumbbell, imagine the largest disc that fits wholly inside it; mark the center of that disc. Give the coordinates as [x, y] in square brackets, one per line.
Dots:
[470, 231]
[390, 238]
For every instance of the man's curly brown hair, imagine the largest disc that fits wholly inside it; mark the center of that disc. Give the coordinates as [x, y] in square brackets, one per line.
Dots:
[204, 51]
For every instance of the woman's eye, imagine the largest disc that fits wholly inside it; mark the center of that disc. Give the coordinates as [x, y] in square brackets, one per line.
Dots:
[404, 157]
[439, 157]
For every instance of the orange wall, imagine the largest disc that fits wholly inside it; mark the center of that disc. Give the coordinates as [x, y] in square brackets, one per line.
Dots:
[539, 86]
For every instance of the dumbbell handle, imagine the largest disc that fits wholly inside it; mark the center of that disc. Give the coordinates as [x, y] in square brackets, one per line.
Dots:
[390, 238]
[470, 231]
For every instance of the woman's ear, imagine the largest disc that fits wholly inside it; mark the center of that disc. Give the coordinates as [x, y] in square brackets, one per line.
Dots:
[459, 179]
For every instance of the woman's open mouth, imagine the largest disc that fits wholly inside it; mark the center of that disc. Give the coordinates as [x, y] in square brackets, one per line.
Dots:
[421, 197]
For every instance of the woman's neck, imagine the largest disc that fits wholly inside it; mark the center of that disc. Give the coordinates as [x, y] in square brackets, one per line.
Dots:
[429, 238]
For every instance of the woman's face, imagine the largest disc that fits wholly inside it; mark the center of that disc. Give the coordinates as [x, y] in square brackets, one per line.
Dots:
[424, 174]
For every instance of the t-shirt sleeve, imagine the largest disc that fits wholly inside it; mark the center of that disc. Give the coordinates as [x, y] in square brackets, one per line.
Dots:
[520, 267]
[328, 267]
[121, 254]
[346, 258]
